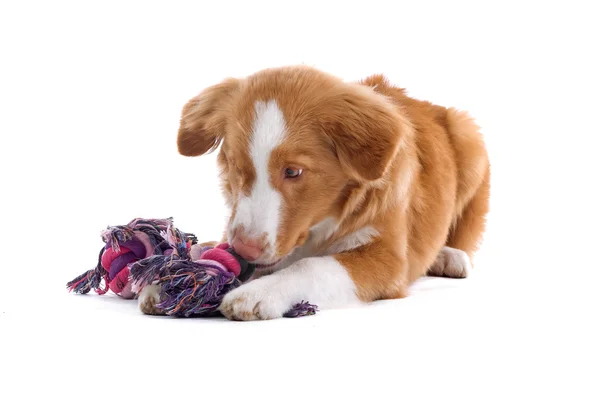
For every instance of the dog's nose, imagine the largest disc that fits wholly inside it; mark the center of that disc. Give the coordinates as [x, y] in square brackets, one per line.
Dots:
[248, 248]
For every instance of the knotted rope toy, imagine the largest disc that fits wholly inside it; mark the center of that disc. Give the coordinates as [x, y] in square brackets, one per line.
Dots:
[193, 279]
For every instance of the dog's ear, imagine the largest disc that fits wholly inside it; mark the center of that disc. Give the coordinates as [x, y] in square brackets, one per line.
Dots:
[202, 123]
[366, 132]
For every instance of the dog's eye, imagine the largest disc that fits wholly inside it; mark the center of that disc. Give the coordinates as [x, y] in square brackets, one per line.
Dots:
[292, 173]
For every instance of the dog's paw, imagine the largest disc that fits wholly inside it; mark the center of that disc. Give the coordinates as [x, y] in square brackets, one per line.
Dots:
[451, 263]
[259, 299]
[148, 299]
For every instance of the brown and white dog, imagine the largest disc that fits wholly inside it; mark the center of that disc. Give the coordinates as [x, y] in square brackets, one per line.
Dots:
[340, 193]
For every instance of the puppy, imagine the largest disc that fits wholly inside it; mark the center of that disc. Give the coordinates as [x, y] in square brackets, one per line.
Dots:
[340, 192]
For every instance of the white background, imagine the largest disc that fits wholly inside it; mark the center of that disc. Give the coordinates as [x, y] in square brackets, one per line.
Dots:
[90, 95]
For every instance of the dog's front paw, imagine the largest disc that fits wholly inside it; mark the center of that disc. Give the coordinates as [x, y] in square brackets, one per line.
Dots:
[149, 298]
[259, 299]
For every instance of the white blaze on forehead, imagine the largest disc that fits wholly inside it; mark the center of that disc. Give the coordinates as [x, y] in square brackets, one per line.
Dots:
[259, 213]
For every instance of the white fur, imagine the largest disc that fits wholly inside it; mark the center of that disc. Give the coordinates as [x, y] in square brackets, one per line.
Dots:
[150, 291]
[452, 263]
[319, 280]
[319, 234]
[352, 241]
[323, 230]
[259, 213]
[458, 263]
[149, 296]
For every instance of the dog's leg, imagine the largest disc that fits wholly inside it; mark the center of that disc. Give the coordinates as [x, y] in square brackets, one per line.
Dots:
[451, 263]
[148, 298]
[467, 232]
[319, 280]
[342, 280]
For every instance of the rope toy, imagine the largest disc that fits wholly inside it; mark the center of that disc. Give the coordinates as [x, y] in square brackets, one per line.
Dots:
[193, 279]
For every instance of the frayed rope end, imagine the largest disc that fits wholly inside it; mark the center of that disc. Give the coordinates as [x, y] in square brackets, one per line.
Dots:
[90, 280]
[302, 309]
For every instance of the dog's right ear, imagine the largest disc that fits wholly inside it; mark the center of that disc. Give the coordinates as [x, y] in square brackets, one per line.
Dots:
[202, 122]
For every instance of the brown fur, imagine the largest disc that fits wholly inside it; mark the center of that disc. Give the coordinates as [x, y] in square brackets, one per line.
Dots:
[372, 156]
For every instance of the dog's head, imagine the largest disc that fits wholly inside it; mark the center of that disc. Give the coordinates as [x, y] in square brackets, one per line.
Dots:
[294, 143]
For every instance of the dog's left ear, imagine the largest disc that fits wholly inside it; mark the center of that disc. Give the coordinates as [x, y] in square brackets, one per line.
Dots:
[366, 131]
[202, 124]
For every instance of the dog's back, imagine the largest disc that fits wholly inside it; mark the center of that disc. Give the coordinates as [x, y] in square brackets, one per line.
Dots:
[450, 191]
